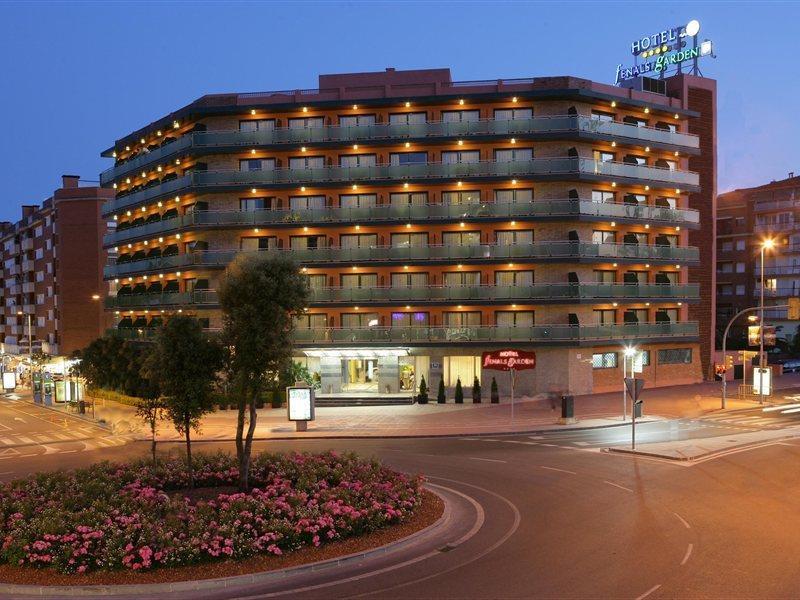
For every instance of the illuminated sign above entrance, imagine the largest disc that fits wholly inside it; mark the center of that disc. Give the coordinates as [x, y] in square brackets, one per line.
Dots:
[664, 49]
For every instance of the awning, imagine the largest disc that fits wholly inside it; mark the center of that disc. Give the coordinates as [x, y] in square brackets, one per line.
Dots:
[355, 352]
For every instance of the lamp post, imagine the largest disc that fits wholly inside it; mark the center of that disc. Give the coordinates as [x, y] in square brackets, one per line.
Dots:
[30, 344]
[767, 244]
[627, 353]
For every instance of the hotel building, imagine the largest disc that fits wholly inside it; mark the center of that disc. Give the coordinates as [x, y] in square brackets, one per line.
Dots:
[436, 220]
[53, 272]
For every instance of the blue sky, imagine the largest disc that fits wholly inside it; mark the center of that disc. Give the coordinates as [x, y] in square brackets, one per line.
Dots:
[76, 76]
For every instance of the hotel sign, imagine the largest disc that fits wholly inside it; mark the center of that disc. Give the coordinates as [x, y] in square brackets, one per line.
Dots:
[508, 360]
[664, 49]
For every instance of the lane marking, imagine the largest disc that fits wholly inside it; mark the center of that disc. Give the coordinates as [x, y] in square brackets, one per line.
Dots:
[648, 592]
[486, 459]
[7, 473]
[581, 443]
[560, 470]
[688, 554]
[622, 487]
[682, 520]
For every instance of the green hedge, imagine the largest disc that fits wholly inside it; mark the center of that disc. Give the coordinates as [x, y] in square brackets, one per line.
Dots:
[275, 399]
[103, 394]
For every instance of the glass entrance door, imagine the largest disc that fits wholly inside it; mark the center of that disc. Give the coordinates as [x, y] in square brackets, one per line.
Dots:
[360, 375]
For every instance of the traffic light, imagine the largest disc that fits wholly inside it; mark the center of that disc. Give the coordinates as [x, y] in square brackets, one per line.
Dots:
[794, 309]
[729, 361]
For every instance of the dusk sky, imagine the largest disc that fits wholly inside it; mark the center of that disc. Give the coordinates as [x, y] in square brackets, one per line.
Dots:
[77, 76]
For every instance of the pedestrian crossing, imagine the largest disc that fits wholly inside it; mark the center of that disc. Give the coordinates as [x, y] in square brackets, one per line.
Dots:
[86, 437]
[750, 420]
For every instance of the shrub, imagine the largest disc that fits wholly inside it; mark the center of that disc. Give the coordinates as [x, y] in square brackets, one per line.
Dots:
[134, 516]
[459, 397]
[476, 391]
[495, 393]
[422, 397]
[276, 400]
[440, 397]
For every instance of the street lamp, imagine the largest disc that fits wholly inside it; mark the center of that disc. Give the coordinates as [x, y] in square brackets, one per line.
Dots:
[30, 344]
[628, 352]
[767, 244]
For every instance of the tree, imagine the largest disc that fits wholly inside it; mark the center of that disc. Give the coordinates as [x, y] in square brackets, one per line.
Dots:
[440, 397]
[495, 392]
[151, 407]
[261, 297]
[459, 397]
[476, 391]
[422, 397]
[185, 364]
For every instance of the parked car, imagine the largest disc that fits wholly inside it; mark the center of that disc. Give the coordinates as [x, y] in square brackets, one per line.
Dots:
[791, 365]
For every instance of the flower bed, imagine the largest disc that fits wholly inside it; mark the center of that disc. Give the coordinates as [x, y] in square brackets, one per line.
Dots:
[134, 517]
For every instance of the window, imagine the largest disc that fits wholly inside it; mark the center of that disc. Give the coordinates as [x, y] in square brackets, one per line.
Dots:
[511, 114]
[406, 280]
[411, 118]
[465, 368]
[256, 164]
[317, 282]
[257, 125]
[606, 360]
[635, 121]
[636, 315]
[460, 116]
[601, 156]
[451, 157]
[632, 159]
[253, 204]
[514, 318]
[462, 319]
[408, 198]
[356, 120]
[603, 116]
[358, 280]
[462, 279]
[465, 197]
[771, 284]
[513, 278]
[312, 321]
[667, 315]
[666, 202]
[604, 237]
[635, 199]
[358, 200]
[740, 245]
[358, 240]
[409, 240]
[308, 242]
[357, 160]
[306, 122]
[602, 196]
[725, 267]
[605, 316]
[410, 319]
[461, 238]
[513, 195]
[358, 320]
[740, 289]
[306, 162]
[408, 158]
[516, 236]
[251, 244]
[306, 202]
[670, 277]
[740, 267]
[513, 154]
[605, 276]
[675, 356]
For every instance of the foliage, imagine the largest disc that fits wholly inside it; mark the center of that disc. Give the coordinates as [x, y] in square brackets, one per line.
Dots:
[116, 365]
[459, 395]
[495, 393]
[441, 398]
[476, 391]
[422, 397]
[129, 516]
[260, 297]
[185, 362]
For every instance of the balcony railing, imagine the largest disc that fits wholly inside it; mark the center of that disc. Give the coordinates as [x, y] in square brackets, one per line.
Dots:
[547, 168]
[767, 227]
[387, 213]
[545, 251]
[381, 132]
[538, 334]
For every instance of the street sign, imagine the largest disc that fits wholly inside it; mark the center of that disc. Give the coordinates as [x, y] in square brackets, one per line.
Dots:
[507, 360]
[9, 381]
[634, 387]
[762, 378]
[300, 405]
[754, 333]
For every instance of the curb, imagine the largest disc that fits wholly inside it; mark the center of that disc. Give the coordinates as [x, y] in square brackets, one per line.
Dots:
[711, 454]
[407, 436]
[222, 583]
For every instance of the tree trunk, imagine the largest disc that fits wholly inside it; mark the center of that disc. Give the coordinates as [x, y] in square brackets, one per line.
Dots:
[189, 466]
[240, 423]
[244, 463]
[153, 439]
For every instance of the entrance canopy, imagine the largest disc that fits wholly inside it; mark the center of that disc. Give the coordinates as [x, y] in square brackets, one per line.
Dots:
[355, 352]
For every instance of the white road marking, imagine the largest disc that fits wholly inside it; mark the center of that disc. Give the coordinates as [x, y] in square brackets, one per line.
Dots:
[486, 459]
[25, 440]
[7, 473]
[560, 470]
[622, 487]
[536, 437]
[648, 592]
[581, 443]
[688, 554]
[682, 520]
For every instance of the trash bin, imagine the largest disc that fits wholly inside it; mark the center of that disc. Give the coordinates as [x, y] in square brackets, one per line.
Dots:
[637, 409]
[567, 407]
[82, 407]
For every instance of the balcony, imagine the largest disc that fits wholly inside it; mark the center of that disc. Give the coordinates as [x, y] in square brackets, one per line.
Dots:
[28, 287]
[425, 213]
[543, 251]
[538, 168]
[27, 265]
[14, 269]
[27, 244]
[772, 227]
[551, 293]
[553, 127]
[572, 335]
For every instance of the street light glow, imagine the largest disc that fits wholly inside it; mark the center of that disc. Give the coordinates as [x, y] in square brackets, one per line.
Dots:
[768, 244]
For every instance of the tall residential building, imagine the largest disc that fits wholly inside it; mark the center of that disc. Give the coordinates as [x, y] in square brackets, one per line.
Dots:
[53, 272]
[436, 220]
[745, 218]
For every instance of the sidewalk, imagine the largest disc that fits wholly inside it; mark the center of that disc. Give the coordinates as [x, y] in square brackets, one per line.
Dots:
[597, 410]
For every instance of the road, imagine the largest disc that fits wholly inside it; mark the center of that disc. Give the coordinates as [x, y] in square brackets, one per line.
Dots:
[556, 517]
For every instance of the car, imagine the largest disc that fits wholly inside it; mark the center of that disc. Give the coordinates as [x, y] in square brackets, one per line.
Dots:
[791, 365]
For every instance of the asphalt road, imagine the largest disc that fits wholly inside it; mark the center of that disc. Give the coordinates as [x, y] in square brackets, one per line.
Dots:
[552, 516]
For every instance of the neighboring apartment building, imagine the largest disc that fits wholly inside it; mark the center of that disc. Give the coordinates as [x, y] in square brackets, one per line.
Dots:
[745, 218]
[436, 220]
[52, 268]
